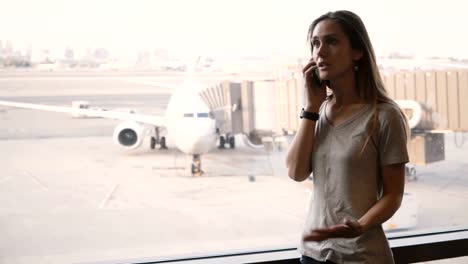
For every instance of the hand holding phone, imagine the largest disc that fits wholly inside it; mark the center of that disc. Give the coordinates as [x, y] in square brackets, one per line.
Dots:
[315, 77]
[315, 87]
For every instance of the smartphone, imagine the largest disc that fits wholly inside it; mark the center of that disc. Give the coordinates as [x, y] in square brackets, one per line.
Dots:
[316, 78]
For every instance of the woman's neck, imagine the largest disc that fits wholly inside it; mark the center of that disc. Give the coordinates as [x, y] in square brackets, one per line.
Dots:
[344, 91]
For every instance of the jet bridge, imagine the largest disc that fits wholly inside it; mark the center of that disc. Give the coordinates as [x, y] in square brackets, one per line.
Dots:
[432, 100]
[245, 107]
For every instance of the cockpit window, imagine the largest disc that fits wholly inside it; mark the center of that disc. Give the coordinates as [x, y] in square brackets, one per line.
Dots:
[202, 115]
[188, 114]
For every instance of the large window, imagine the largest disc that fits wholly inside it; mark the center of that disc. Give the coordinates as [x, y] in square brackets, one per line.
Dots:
[98, 163]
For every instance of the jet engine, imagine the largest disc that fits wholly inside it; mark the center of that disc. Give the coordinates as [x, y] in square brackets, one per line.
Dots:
[129, 134]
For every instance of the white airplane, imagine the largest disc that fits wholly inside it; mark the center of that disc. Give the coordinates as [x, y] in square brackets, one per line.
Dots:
[188, 121]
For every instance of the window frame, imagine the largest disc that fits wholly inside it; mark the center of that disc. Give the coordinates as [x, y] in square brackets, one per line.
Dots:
[407, 247]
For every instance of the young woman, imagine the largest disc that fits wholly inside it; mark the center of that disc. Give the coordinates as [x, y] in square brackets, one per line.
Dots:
[354, 144]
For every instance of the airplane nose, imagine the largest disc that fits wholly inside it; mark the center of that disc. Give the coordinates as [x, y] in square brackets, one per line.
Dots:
[203, 143]
[196, 142]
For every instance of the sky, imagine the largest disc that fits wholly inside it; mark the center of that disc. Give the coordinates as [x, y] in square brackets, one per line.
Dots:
[244, 27]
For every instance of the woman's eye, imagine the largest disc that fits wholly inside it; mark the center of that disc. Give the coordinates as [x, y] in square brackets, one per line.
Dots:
[315, 43]
[332, 41]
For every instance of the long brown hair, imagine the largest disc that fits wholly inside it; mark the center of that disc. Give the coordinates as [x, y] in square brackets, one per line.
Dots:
[369, 85]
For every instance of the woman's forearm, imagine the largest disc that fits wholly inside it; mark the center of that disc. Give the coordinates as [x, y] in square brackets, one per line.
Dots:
[381, 211]
[393, 177]
[298, 159]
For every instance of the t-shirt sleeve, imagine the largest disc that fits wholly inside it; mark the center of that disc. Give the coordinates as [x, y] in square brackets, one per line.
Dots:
[393, 141]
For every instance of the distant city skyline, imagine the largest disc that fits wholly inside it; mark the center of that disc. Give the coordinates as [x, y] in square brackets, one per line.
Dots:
[209, 27]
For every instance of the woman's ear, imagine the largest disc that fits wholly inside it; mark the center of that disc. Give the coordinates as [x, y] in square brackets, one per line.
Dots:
[357, 55]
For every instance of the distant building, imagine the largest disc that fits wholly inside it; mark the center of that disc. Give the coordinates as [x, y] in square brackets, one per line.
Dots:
[101, 54]
[42, 56]
[8, 51]
[144, 58]
[69, 54]
[28, 55]
[161, 54]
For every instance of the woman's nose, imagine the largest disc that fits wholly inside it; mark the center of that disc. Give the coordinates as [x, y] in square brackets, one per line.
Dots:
[321, 50]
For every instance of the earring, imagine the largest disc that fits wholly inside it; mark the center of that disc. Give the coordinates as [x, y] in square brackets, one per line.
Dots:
[356, 68]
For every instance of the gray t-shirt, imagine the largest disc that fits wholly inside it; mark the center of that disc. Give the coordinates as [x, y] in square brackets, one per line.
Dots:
[347, 184]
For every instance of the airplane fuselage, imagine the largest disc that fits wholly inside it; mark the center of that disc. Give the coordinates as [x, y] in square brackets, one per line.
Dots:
[191, 126]
[193, 135]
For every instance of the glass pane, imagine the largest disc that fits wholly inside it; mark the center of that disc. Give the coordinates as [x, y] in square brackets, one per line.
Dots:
[76, 75]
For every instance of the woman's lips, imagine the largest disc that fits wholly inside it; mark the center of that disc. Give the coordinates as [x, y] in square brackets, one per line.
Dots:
[323, 65]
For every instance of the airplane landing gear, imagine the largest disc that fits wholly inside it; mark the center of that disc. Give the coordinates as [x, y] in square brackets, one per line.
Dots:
[232, 142]
[153, 143]
[410, 172]
[163, 143]
[222, 141]
[227, 139]
[196, 165]
[158, 140]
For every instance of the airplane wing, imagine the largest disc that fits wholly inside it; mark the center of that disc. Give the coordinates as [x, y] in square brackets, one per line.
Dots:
[140, 118]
